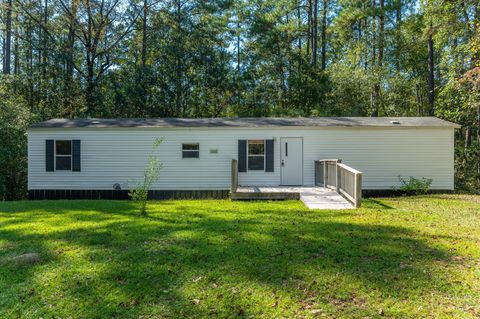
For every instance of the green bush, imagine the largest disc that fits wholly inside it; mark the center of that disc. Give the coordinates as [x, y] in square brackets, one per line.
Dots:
[15, 118]
[417, 186]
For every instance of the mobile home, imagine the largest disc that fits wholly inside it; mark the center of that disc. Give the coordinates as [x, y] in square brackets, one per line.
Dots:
[93, 158]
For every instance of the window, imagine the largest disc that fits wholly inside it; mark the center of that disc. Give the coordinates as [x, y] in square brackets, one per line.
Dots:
[63, 155]
[256, 155]
[190, 150]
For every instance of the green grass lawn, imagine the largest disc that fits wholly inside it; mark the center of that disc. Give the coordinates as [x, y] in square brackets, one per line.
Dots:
[410, 257]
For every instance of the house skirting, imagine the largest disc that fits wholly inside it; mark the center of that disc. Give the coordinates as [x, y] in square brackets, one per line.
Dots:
[51, 194]
[39, 194]
[398, 192]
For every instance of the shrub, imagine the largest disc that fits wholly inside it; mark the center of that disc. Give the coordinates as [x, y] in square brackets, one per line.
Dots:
[139, 193]
[15, 118]
[414, 185]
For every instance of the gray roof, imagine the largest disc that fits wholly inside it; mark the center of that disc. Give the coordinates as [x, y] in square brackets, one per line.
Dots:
[249, 122]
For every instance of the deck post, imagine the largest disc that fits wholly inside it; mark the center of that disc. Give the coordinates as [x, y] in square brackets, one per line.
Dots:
[358, 190]
[337, 177]
[234, 173]
[325, 176]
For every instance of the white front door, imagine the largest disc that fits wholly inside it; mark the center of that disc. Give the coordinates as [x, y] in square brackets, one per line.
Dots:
[291, 160]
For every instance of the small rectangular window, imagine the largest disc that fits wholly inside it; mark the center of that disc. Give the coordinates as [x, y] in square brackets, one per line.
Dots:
[256, 155]
[63, 155]
[191, 150]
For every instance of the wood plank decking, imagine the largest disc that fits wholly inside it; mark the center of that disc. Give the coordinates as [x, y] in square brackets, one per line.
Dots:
[313, 197]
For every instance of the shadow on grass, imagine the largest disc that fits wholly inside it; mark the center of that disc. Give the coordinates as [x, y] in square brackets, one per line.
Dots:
[127, 263]
[375, 204]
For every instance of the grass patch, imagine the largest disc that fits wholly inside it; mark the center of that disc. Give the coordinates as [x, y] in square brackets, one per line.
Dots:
[408, 257]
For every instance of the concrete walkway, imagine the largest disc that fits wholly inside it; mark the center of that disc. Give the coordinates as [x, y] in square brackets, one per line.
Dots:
[312, 197]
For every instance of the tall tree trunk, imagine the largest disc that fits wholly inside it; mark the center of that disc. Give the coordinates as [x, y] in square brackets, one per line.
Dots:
[299, 26]
[90, 97]
[309, 26]
[468, 137]
[324, 34]
[431, 74]
[16, 51]
[3, 52]
[381, 45]
[281, 73]
[8, 38]
[365, 26]
[374, 35]
[44, 41]
[238, 47]
[71, 41]
[398, 18]
[29, 59]
[178, 68]
[359, 38]
[142, 110]
[68, 94]
[144, 34]
[89, 92]
[237, 84]
[299, 23]
[381, 34]
[376, 87]
[315, 33]
[90, 89]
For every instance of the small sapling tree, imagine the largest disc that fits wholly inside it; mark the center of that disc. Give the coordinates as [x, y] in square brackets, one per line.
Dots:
[139, 193]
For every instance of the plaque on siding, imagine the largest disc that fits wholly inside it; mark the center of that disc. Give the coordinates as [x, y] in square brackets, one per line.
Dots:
[213, 151]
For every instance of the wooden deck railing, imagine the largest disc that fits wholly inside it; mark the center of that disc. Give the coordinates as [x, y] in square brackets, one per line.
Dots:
[349, 183]
[345, 180]
[326, 172]
[329, 173]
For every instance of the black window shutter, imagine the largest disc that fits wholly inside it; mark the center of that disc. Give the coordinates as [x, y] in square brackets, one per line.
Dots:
[49, 156]
[76, 155]
[269, 156]
[242, 155]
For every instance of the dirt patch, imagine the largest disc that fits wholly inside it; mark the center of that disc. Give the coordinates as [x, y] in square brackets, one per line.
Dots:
[25, 259]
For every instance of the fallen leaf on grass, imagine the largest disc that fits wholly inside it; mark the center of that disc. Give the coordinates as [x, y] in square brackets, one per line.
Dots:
[197, 279]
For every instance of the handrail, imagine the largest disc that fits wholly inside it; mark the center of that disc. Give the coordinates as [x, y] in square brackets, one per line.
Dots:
[347, 181]
[348, 168]
[329, 160]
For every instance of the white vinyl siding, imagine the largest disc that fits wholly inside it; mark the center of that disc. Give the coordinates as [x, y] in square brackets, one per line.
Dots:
[117, 155]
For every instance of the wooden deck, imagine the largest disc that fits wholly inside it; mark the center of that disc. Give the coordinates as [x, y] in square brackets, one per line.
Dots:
[313, 197]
